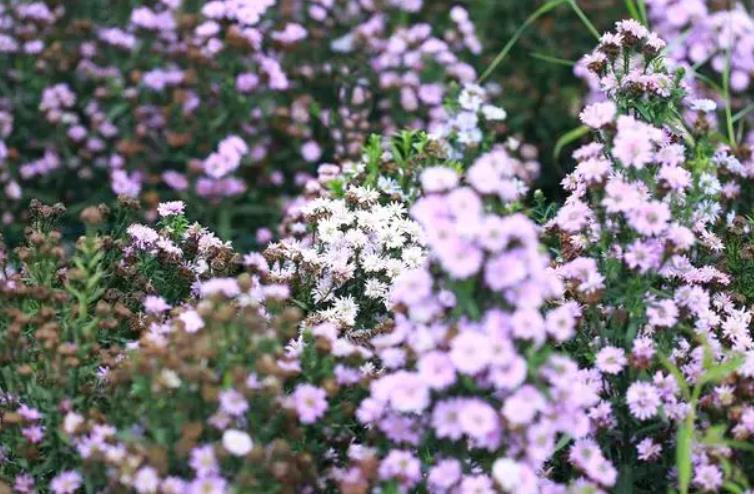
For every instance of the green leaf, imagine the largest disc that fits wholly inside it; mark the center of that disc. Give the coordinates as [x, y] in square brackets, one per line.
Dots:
[633, 11]
[721, 371]
[584, 19]
[568, 138]
[683, 456]
[551, 59]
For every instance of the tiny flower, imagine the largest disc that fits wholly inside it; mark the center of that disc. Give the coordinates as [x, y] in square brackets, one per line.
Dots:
[237, 442]
[597, 115]
[171, 208]
[611, 360]
[643, 400]
[67, 482]
[310, 402]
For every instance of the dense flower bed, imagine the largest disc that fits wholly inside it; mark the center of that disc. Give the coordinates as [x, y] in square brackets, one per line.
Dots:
[413, 314]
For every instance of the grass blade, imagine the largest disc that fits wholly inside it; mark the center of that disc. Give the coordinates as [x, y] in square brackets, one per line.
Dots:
[569, 137]
[551, 59]
[547, 7]
[584, 19]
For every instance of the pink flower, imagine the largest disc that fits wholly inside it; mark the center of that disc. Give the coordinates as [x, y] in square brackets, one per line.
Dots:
[663, 314]
[155, 305]
[478, 419]
[233, 403]
[632, 145]
[171, 208]
[597, 115]
[311, 151]
[522, 406]
[438, 179]
[203, 461]
[619, 196]
[708, 477]
[504, 271]
[66, 482]
[528, 324]
[611, 360]
[470, 352]
[24, 484]
[650, 218]
[28, 413]
[560, 322]
[405, 391]
[192, 321]
[573, 216]
[34, 434]
[436, 369]
[648, 450]
[142, 236]
[401, 465]
[208, 485]
[446, 419]
[310, 403]
[643, 400]
[445, 474]
[146, 480]
[237, 443]
[411, 287]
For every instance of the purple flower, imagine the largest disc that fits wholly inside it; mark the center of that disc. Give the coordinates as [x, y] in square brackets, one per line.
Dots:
[643, 400]
[310, 403]
[67, 482]
[233, 403]
[171, 208]
[611, 360]
[401, 465]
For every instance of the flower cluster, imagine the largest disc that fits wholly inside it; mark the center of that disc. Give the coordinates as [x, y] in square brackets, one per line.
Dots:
[151, 98]
[718, 37]
[418, 321]
[639, 239]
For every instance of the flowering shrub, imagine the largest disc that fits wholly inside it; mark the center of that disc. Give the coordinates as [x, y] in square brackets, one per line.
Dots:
[670, 346]
[214, 101]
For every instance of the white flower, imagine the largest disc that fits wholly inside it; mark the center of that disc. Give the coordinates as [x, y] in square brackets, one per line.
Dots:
[507, 473]
[365, 195]
[493, 113]
[170, 378]
[237, 442]
[72, 422]
[346, 310]
[328, 230]
[389, 186]
[471, 97]
[374, 288]
[703, 105]
[413, 257]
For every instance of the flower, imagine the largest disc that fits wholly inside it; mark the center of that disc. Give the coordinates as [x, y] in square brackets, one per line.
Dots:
[402, 466]
[146, 480]
[192, 321]
[170, 208]
[233, 403]
[66, 482]
[236, 442]
[708, 477]
[648, 450]
[310, 403]
[611, 360]
[597, 115]
[154, 304]
[643, 400]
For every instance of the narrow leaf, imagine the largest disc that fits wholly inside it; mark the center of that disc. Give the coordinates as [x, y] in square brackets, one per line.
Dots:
[547, 7]
[568, 138]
